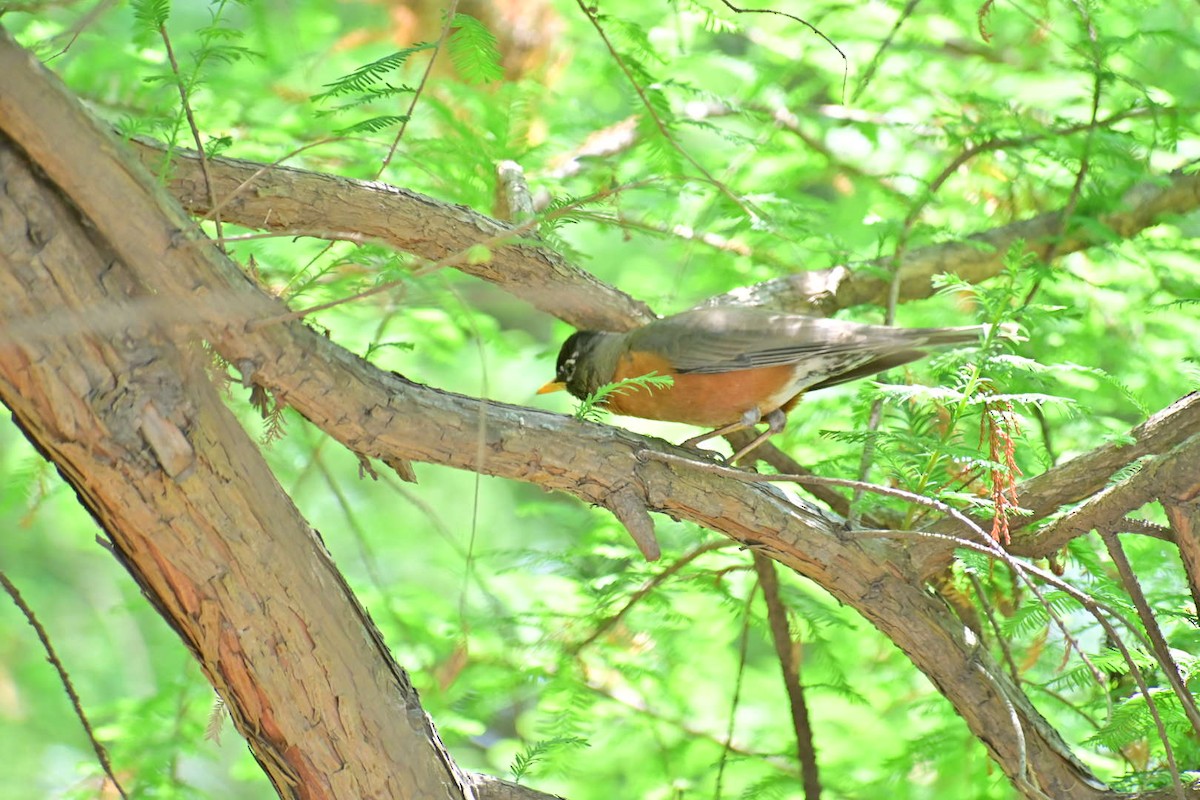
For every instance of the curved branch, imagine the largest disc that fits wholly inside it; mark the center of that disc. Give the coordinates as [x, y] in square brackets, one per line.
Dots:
[1082, 478]
[386, 416]
[974, 259]
[291, 200]
[287, 200]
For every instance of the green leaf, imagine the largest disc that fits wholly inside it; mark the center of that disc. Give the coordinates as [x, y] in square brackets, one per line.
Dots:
[374, 124]
[369, 75]
[474, 52]
[151, 15]
[592, 406]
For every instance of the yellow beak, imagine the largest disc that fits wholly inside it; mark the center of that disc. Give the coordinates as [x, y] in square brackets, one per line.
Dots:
[552, 386]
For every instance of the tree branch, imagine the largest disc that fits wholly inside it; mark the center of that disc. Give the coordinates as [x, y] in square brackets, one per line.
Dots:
[136, 427]
[974, 259]
[1074, 481]
[1105, 510]
[781, 638]
[381, 415]
[291, 201]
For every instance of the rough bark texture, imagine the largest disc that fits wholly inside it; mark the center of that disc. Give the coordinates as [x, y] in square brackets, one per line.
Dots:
[298, 202]
[118, 400]
[135, 425]
[977, 258]
[1076, 480]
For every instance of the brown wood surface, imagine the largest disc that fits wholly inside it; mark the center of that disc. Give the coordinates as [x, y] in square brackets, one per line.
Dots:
[105, 301]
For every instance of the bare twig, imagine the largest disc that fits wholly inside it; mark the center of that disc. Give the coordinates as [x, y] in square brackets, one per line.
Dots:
[593, 17]
[64, 678]
[869, 73]
[412, 106]
[195, 129]
[781, 461]
[662, 577]
[1025, 781]
[782, 639]
[988, 612]
[1145, 527]
[1162, 651]
[735, 701]
[805, 23]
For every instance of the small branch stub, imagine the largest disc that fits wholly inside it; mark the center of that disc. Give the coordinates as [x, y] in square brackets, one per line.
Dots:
[630, 509]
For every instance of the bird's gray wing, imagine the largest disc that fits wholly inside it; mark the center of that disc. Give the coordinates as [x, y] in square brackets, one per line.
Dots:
[712, 340]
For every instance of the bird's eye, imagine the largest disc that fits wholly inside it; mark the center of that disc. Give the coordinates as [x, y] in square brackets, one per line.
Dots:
[567, 369]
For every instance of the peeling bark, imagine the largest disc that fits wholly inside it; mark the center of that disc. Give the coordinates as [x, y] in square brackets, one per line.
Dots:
[116, 396]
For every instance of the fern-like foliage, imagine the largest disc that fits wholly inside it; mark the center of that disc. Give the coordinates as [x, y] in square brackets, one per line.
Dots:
[373, 124]
[538, 751]
[591, 407]
[368, 84]
[474, 52]
[367, 78]
[150, 15]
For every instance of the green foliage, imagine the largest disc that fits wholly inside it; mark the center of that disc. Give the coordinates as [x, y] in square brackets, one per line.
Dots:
[473, 51]
[367, 85]
[538, 751]
[684, 155]
[367, 80]
[150, 15]
[591, 407]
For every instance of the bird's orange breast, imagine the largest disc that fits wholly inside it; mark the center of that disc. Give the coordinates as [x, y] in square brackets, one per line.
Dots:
[705, 399]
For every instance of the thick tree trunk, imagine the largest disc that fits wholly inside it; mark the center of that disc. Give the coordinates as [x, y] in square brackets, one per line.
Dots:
[105, 300]
[134, 424]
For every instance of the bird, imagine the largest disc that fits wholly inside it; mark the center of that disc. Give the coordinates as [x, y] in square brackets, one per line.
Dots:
[733, 367]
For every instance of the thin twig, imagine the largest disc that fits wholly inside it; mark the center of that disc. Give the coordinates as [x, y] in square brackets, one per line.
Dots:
[735, 701]
[985, 544]
[451, 12]
[1026, 781]
[1144, 527]
[1161, 649]
[995, 625]
[869, 73]
[265, 168]
[593, 17]
[1069, 704]
[449, 261]
[785, 464]
[782, 639]
[805, 23]
[191, 120]
[649, 586]
[689, 727]
[52, 657]
[1077, 188]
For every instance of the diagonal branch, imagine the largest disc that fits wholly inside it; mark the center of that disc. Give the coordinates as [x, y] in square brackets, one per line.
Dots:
[974, 259]
[1076, 480]
[290, 200]
[386, 416]
[1105, 510]
[287, 200]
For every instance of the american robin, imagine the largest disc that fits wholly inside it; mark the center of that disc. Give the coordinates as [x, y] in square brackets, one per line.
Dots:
[734, 366]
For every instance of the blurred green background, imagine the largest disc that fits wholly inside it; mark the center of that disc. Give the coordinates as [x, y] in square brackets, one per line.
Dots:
[491, 593]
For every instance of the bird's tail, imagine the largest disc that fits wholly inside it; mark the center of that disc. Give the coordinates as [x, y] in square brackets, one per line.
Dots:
[971, 334]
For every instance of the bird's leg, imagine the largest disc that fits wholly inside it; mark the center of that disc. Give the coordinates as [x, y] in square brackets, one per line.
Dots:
[748, 420]
[776, 421]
